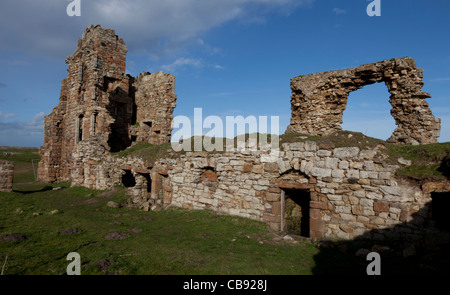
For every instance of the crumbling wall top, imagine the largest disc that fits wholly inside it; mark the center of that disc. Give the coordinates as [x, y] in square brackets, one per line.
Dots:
[318, 100]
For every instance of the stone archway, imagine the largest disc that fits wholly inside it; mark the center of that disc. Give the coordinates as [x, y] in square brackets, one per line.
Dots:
[318, 100]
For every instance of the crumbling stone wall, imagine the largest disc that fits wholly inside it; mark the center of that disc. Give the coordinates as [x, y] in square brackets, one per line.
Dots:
[98, 100]
[155, 100]
[318, 100]
[6, 175]
[352, 192]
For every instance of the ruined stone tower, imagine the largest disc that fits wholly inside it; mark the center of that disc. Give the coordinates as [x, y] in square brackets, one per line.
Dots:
[102, 104]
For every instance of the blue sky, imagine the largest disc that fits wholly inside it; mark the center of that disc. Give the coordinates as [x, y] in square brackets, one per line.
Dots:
[230, 58]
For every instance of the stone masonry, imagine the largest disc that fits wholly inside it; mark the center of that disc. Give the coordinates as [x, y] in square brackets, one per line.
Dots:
[99, 100]
[319, 100]
[352, 193]
[6, 175]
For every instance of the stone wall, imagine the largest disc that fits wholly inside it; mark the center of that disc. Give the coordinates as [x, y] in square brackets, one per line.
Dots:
[6, 175]
[350, 192]
[98, 100]
[155, 99]
[319, 100]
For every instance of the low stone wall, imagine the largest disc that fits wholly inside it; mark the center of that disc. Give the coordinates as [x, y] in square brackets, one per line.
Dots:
[6, 176]
[352, 193]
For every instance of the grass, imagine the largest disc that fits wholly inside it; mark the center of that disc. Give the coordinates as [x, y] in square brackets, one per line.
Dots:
[427, 161]
[173, 241]
[22, 157]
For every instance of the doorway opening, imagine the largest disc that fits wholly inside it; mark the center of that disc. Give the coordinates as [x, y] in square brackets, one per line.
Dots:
[440, 202]
[128, 179]
[296, 212]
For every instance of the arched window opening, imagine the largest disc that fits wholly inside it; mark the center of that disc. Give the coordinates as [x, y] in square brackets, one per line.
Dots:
[368, 111]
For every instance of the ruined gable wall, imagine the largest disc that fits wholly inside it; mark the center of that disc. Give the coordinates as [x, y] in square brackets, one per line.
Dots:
[155, 100]
[318, 100]
[82, 110]
[98, 100]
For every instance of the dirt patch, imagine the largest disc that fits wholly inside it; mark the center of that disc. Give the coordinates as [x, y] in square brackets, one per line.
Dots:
[14, 238]
[116, 236]
[116, 223]
[102, 264]
[70, 231]
[111, 193]
[135, 230]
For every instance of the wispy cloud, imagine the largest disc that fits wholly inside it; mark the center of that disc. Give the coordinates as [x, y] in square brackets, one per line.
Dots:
[23, 133]
[154, 27]
[339, 11]
[181, 63]
[7, 116]
[440, 79]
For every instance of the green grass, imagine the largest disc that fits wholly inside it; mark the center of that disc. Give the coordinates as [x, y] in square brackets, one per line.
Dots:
[173, 241]
[22, 157]
[427, 160]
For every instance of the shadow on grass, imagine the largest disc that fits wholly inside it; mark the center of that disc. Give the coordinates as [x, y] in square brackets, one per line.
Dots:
[25, 192]
[401, 251]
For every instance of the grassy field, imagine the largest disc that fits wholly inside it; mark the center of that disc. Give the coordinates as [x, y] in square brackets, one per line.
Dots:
[126, 241]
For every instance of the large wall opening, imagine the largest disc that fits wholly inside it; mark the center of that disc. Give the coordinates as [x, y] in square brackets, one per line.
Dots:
[128, 179]
[296, 212]
[368, 111]
[439, 210]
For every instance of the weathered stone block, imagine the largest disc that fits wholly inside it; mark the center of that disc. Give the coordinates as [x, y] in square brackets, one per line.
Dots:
[345, 153]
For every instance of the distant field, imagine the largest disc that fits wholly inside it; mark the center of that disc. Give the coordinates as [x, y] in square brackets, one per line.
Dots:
[24, 159]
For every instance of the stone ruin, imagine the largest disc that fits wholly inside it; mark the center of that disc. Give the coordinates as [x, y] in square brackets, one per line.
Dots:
[334, 192]
[6, 175]
[100, 102]
[319, 100]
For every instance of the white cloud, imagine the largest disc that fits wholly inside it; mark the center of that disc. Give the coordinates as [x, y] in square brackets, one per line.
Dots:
[19, 133]
[339, 11]
[182, 62]
[154, 27]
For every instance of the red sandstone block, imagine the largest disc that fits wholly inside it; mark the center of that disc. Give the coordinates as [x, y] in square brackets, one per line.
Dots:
[317, 225]
[271, 217]
[381, 206]
[248, 167]
[318, 205]
[315, 214]
[276, 208]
